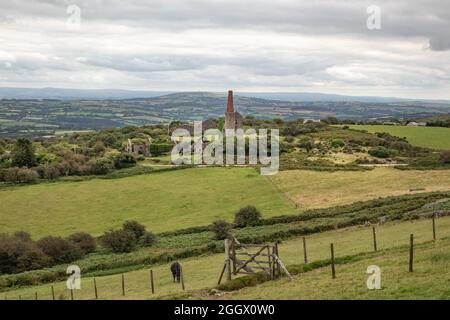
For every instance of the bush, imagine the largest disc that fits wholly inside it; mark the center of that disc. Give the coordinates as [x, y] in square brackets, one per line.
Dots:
[379, 152]
[337, 143]
[148, 239]
[84, 241]
[445, 157]
[161, 148]
[18, 253]
[49, 171]
[59, 249]
[124, 160]
[119, 240]
[248, 216]
[137, 229]
[23, 154]
[19, 175]
[221, 229]
[101, 166]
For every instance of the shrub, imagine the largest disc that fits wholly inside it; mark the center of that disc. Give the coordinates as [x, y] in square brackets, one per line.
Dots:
[101, 166]
[445, 156]
[17, 254]
[379, 152]
[337, 143]
[137, 229]
[124, 160]
[221, 229]
[49, 171]
[84, 241]
[119, 240]
[248, 216]
[161, 148]
[19, 175]
[306, 143]
[59, 249]
[148, 239]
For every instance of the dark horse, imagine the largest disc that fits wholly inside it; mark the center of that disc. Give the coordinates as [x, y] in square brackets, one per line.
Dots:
[175, 268]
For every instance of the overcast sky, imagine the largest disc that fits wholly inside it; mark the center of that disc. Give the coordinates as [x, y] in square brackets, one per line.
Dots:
[213, 45]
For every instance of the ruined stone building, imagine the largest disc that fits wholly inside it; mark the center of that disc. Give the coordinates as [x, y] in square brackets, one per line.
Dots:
[233, 120]
[141, 147]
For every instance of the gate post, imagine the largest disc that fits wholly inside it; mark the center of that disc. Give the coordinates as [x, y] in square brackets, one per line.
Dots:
[227, 259]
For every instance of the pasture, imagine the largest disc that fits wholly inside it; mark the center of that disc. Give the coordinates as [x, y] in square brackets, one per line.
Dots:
[180, 199]
[430, 137]
[317, 189]
[161, 201]
[202, 273]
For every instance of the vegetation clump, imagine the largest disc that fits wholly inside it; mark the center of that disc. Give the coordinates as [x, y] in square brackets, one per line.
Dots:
[247, 216]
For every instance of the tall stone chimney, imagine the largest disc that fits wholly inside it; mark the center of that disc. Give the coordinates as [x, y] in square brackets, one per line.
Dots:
[230, 106]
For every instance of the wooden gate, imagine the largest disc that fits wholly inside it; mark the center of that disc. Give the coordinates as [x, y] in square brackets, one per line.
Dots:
[251, 258]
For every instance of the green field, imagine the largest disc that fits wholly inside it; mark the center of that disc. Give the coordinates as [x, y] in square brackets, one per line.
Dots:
[194, 197]
[161, 201]
[431, 137]
[202, 272]
[317, 189]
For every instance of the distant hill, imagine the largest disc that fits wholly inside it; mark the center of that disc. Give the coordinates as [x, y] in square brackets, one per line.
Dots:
[74, 94]
[107, 94]
[42, 117]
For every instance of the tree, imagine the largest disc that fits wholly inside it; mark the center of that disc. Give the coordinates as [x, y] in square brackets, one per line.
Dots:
[306, 143]
[23, 154]
[101, 166]
[248, 216]
[221, 229]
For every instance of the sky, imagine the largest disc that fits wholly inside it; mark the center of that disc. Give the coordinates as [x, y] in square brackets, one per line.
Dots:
[213, 45]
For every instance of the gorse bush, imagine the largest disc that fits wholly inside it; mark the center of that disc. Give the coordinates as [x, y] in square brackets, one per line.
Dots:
[248, 216]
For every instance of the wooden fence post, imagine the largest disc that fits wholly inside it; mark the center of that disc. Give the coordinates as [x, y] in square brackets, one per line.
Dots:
[20, 297]
[53, 293]
[411, 252]
[227, 259]
[277, 266]
[374, 232]
[182, 277]
[35, 296]
[305, 255]
[95, 289]
[152, 284]
[434, 226]
[333, 269]
[71, 294]
[123, 285]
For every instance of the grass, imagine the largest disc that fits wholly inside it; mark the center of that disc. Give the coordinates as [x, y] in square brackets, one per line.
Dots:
[161, 201]
[431, 137]
[202, 272]
[315, 189]
[428, 281]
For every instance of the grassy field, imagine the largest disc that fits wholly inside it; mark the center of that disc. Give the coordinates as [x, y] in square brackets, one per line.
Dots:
[430, 279]
[432, 137]
[315, 189]
[193, 197]
[202, 272]
[162, 201]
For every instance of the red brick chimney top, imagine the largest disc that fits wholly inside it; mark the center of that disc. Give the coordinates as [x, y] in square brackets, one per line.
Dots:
[230, 106]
